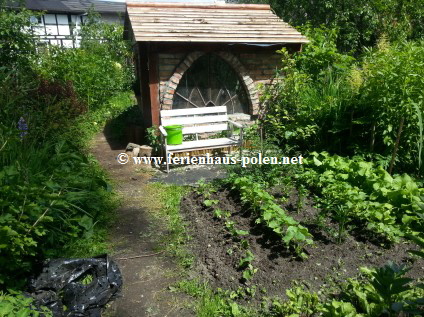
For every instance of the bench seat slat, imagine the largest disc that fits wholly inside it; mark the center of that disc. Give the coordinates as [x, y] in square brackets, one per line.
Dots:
[205, 128]
[192, 111]
[202, 144]
[194, 120]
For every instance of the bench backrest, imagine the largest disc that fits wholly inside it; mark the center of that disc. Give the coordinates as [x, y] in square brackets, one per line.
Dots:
[197, 120]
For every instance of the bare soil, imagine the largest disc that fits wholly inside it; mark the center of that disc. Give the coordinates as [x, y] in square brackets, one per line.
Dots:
[218, 253]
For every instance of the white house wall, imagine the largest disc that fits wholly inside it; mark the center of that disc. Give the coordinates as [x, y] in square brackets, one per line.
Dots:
[62, 29]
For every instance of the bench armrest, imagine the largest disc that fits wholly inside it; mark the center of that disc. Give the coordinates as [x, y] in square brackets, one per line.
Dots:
[163, 131]
[238, 125]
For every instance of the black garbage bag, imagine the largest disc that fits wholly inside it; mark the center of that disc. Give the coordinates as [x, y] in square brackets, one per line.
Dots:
[77, 287]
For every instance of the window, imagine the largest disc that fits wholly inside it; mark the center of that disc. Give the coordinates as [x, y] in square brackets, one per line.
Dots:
[209, 82]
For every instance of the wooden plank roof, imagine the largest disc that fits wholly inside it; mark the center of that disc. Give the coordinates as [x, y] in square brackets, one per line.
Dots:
[229, 23]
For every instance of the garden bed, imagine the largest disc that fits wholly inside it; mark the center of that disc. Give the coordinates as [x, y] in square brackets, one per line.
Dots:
[218, 251]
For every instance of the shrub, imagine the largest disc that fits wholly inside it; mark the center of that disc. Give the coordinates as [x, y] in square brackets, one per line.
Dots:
[391, 98]
[99, 69]
[51, 194]
[320, 101]
[16, 304]
[321, 53]
[359, 23]
[308, 111]
[17, 47]
[96, 77]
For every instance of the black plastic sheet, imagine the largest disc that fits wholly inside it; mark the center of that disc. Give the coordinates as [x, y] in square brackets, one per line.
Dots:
[77, 287]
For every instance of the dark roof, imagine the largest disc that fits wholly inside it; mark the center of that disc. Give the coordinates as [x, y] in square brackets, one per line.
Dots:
[77, 6]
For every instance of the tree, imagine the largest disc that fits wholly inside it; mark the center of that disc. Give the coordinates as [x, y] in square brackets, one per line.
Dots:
[359, 23]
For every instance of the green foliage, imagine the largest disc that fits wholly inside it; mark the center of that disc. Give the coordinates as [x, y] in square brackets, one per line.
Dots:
[299, 303]
[230, 225]
[388, 205]
[321, 53]
[341, 216]
[55, 200]
[419, 240]
[392, 92]
[271, 214]
[103, 38]
[95, 76]
[247, 266]
[17, 305]
[358, 23]
[99, 69]
[154, 138]
[212, 304]
[167, 199]
[17, 48]
[219, 213]
[306, 105]
[51, 195]
[210, 202]
[87, 125]
[339, 309]
[384, 290]
[301, 196]
[269, 174]
[323, 102]
[390, 283]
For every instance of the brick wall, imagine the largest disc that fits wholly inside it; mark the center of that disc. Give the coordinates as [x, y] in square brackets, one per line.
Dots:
[167, 65]
[260, 66]
[254, 69]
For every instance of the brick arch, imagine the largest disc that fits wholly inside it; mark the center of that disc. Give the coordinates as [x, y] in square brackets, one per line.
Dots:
[232, 60]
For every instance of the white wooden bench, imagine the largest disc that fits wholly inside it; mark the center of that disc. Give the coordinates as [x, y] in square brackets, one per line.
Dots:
[196, 121]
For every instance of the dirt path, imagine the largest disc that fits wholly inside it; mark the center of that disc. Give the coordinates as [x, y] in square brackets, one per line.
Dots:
[135, 233]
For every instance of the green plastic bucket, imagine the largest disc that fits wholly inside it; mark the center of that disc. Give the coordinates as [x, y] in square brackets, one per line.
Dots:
[175, 134]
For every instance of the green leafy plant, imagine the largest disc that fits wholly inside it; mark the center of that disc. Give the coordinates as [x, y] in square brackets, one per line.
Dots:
[210, 202]
[154, 139]
[230, 225]
[301, 196]
[339, 309]
[271, 214]
[15, 304]
[16, 35]
[205, 189]
[98, 69]
[300, 302]
[388, 205]
[341, 215]
[247, 267]
[389, 282]
[385, 290]
[419, 240]
[219, 214]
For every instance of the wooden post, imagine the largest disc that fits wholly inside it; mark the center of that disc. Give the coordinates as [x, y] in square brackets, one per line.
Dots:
[154, 84]
[143, 75]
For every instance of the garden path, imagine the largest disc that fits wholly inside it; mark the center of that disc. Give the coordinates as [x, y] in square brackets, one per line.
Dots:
[134, 233]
